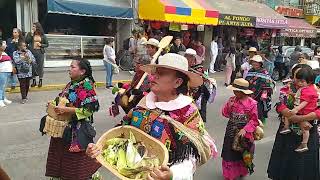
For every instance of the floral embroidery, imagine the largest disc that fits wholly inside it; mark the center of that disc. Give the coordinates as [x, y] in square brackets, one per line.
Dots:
[73, 97]
[87, 85]
[82, 95]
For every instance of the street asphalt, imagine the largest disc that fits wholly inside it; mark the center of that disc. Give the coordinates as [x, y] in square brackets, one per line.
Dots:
[23, 150]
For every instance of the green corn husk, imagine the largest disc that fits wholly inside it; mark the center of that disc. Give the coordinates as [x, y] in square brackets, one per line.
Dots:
[122, 161]
[115, 141]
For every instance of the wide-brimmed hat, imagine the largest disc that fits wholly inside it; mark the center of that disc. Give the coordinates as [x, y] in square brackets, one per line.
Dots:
[252, 49]
[257, 58]
[240, 85]
[152, 42]
[191, 52]
[175, 62]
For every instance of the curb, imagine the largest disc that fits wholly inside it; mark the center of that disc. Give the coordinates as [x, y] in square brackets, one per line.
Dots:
[59, 87]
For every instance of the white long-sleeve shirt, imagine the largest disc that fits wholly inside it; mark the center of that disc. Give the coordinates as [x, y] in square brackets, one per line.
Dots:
[214, 48]
[109, 55]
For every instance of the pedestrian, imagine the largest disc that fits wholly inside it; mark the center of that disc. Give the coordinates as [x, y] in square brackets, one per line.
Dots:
[246, 66]
[141, 50]
[294, 57]
[37, 42]
[192, 57]
[285, 163]
[205, 93]
[177, 46]
[230, 65]
[201, 51]
[5, 71]
[152, 46]
[219, 61]
[177, 117]
[23, 59]
[261, 85]
[239, 61]
[109, 60]
[65, 161]
[12, 45]
[238, 145]
[214, 54]
[280, 64]
[269, 59]
[306, 100]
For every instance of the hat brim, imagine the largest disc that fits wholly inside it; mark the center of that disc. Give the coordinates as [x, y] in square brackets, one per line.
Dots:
[230, 87]
[151, 44]
[198, 58]
[195, 80]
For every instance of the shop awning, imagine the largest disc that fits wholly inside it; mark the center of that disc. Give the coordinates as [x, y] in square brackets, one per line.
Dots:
[179, 11]
[120, 9]
[299, 28]
[244, 12]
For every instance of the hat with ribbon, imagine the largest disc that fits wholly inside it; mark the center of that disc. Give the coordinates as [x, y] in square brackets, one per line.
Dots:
[175, 62]
[240, 85]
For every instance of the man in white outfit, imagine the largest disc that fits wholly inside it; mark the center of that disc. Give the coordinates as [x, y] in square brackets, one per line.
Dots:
[214, 54]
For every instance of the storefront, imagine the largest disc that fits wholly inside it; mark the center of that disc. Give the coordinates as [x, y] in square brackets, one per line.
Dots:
[86, 23]
[244, 22]
[297, 32]
[187, 18]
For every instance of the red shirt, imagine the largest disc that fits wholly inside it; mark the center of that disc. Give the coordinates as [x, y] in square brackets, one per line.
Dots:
[310, 95]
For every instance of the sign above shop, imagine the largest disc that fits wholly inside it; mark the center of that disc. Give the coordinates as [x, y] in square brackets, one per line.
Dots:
[234, 20]
[302, 33]
[289, 11]
[271, 23]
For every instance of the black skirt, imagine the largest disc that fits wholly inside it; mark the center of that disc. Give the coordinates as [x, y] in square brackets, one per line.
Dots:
[286, 164]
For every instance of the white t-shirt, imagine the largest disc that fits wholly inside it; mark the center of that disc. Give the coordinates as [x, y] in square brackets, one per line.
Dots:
[5, 66]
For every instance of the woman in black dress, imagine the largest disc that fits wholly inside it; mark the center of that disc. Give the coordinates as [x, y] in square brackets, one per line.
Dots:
[285, 163]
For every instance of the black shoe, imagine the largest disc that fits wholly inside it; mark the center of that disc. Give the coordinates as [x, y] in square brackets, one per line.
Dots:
[40, 83]
[226, 85]
[34, 83]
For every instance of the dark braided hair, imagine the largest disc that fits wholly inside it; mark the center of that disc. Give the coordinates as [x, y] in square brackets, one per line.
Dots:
[85, 65]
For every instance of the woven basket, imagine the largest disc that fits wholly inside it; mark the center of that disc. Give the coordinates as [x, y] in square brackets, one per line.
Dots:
[54, 115]
[153, 145]
[54, 128]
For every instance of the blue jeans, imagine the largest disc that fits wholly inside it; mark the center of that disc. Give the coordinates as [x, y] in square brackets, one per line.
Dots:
[108, 69]
[4, 76]
[12, 81]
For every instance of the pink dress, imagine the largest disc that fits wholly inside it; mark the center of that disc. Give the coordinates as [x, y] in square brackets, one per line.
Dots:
[242, 114]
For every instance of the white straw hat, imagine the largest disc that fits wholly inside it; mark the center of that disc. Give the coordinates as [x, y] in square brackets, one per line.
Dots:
[175, 62]
[252, 49]
[192, 52]
[152, 42]
[240, 85]
[257, 58]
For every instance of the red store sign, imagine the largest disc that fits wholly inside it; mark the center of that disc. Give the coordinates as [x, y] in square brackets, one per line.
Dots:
[289, 11]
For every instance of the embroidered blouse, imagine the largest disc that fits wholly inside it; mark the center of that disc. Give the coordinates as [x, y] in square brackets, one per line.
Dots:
[247, 107]
[147, 116]
[82, 95]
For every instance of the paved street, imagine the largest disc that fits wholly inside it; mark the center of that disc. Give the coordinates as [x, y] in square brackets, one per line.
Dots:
[23, 150]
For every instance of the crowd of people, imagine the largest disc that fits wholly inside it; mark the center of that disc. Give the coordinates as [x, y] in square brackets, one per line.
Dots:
[171, 106]
[22, 58]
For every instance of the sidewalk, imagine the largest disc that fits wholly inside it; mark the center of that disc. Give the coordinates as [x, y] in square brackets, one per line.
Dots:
[57, 78]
